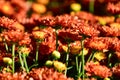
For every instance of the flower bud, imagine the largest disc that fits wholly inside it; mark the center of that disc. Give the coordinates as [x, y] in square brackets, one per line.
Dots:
[39, 8]
[48, 63]
[75, 6]
[56, 54]
[7, 60]
[106, 78]
[59, 66]
[45, 2]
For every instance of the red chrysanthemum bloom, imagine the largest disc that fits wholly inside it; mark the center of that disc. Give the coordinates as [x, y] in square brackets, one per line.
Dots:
[95, 69]
[47, 74]
[88, 30]
[16, 36]
[69, 34]
[10, 24]
[114, 8]
[96, 43]
[110, 31]
[49, 43]
[45, 21]
[13, 35]
[85, 16]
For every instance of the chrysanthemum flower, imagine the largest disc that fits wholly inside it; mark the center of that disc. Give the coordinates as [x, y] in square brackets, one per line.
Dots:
[46, 74]
[39, 35]
[94, 69]
[10, 24]
[13, 35]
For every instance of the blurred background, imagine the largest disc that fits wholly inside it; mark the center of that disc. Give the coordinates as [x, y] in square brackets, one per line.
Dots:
[27, 8]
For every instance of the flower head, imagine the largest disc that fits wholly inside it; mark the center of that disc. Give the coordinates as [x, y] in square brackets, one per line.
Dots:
[97, 70]
[12, 35]
[39, 35]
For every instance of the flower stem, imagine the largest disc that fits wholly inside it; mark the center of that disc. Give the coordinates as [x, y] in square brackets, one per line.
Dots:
[91, 6]
[13, 57]
[76, 61]
[6, 46]
[67, 57]
[25, 62]
[56, 39]
[79, 69]
[83, 59]
[21, 60]
[36, 58]
[91, 57]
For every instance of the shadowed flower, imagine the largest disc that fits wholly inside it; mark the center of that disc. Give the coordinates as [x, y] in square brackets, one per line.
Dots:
[116, 70]
[69, 35]
[75, 47]
[49, 44]
[26, 39]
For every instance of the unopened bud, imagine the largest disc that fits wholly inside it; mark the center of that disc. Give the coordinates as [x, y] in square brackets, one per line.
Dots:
[7, 60]
[56, 54]
[48, 63]
[75, 6]
[106, 78]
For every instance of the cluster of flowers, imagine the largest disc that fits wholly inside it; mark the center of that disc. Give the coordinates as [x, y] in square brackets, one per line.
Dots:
[85, 45]
[34, 47]
[35, 74]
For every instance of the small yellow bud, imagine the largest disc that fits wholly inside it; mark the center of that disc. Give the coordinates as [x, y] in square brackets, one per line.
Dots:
[39, 8]
[7, 60]
[36, 28]
[56, 54]
[106, 78]
[59, 66]
[75, 6]
[48, 63]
